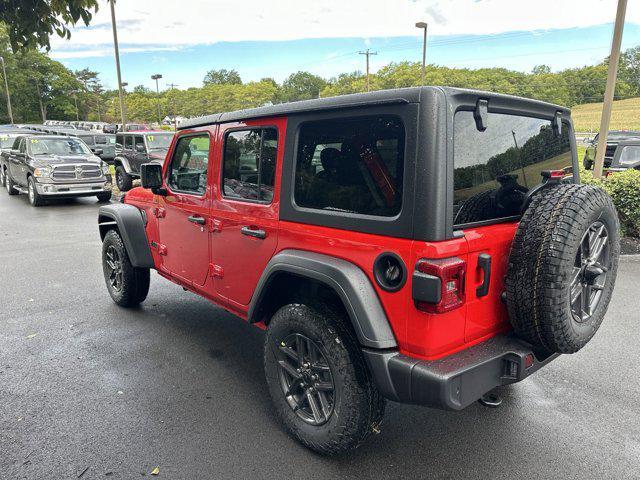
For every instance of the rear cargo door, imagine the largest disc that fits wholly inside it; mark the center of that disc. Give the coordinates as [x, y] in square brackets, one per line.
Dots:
[495, 166]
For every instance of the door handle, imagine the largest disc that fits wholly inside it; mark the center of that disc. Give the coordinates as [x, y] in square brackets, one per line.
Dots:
[253, 232]
[484, 262]
[197, 219]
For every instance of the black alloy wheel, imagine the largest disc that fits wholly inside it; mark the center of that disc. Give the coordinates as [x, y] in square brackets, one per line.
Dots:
[114, 268]
[306, 379]
[590, 272]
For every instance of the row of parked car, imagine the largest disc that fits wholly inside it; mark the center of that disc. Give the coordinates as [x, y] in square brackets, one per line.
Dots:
[46, 161]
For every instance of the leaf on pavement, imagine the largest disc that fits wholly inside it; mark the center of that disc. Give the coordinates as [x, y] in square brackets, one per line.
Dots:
[31, 335]
[155, 471]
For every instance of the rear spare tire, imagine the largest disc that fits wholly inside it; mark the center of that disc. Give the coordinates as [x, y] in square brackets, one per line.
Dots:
[562, 267]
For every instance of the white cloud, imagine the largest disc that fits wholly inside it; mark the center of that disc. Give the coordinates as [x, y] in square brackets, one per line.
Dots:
[147, 25]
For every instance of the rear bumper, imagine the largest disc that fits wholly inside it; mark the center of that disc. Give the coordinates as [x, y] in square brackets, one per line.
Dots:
[456, 381]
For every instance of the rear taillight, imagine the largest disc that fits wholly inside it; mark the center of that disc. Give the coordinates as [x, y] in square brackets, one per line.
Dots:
[448, 277]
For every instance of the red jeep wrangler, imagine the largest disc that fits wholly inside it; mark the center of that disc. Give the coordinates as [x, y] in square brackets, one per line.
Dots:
[422, 245]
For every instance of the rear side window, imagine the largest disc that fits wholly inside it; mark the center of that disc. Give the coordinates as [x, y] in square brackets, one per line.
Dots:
[188, 168]
[140, 147]
[128, 142]
[249, 164]
[351, 165]
[494, 169]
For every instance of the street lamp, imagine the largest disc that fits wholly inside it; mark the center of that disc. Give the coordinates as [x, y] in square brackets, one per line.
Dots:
[117, 52]
[157, 77]
[424, 26]
[6, 87]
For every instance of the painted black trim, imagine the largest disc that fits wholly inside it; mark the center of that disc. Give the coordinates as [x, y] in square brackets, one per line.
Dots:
[400, 225]
[131, 228]
[346, 279]
[426, 288]
[456, 381]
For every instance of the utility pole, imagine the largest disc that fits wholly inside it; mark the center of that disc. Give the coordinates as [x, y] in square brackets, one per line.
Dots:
[6, 87]
[156, 77]
[367, 53]
[42, 112]
[609, 91]
[75, 99]
[173, 103]
[117, 51]
[424, 26]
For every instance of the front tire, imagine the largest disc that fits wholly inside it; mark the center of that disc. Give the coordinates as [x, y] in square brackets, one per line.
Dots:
[127, 285]
[104, 197]
[318, 379]
[9, 185]
[35, 199]
[124, 181]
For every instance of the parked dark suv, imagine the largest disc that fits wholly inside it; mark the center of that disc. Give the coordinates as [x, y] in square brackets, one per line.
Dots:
[46, 166]
[613, 139]
[134, 149]
[421, 245]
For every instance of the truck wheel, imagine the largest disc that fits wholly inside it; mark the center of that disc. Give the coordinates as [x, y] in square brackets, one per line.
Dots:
[2, 176]
[127, 285]
[104, 197]
[124, 181]
[11, 190]
[35, 199]
[562, 267]
[319, 382]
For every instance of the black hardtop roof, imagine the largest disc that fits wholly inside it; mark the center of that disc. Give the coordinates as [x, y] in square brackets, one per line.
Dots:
[146, 132]
[380, 97]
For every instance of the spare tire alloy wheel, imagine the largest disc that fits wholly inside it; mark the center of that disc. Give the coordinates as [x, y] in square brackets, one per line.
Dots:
[590, 272]
[305, 378]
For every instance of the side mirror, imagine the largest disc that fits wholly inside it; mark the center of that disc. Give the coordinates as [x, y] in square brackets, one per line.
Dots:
[151, 177]
[97, 151]
[140, 148]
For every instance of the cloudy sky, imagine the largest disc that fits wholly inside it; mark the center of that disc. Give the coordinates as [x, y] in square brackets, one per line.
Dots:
[182, 40]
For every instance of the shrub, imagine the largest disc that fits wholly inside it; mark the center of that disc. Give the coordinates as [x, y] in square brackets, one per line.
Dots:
[624, 189]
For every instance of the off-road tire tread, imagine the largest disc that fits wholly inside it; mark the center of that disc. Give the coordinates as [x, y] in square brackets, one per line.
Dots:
[361, 417]
[541, 260]
[127, 180]
[135, 280]
[475, 209]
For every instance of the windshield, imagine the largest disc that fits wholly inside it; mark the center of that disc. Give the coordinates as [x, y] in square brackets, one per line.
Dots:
[6, 141]
[159, 141]
[58, 146]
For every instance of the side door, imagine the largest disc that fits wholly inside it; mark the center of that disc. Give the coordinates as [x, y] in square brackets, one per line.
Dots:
[18, 163]
[246, 207]
[139, 154]
[183, 214]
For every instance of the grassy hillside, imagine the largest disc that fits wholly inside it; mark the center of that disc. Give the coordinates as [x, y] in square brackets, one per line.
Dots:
[625, 116]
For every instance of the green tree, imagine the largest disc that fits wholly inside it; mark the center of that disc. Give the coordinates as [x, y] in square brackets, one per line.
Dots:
[222, 77]
[302, 86]
[30, 23]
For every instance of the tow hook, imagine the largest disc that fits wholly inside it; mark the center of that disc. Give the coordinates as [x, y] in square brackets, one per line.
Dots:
[491, 400]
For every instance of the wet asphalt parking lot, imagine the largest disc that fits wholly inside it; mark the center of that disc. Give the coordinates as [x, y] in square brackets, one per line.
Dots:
[86, 386]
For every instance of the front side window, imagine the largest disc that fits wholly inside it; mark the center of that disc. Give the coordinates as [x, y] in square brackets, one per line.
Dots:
[494, 169]
[119, 140]
[188, 168]
[249, 164]
[351, 165]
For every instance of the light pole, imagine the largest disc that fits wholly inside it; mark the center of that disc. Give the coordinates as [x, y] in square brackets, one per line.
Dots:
[117, 51]
[424, 26]
[6, 87]
[123, 104]
[157, 77]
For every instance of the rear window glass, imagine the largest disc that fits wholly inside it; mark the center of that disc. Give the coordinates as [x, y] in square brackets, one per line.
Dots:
[351, 165]
[494, 169]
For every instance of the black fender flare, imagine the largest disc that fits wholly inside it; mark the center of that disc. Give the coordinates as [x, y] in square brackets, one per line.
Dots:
[130, 223]
[350, 283]
[118, 160]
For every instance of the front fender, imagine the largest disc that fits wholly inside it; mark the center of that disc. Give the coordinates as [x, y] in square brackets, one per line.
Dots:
[350, 283]
[131, 225]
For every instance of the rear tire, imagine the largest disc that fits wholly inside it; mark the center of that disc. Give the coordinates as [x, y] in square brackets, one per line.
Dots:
[2, 176]
[124, 181]
[343, 417]
[127, 285]
[562, 267]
